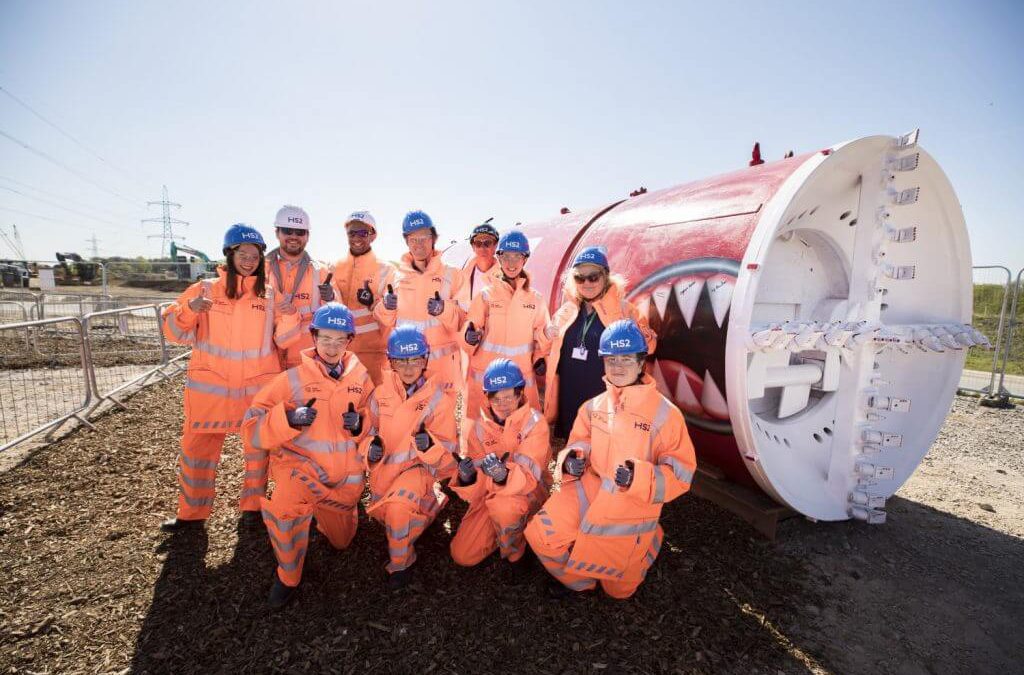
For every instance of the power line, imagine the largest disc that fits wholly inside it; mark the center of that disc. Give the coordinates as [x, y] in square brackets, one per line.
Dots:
[67, 135]
[120, 229]
[63, 198]
[67, 168]
[52, 203]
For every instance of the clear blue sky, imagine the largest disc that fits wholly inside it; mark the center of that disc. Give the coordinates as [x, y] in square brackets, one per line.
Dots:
[472, 109]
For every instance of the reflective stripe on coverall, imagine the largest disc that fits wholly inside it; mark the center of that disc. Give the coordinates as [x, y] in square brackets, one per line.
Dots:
[610, 307]
[497, 514]
[235, 351]
[593, 531]
[350, 274]
[297, 283]
[317, 469]
[414, 288]
[404, 490]
[513, 325]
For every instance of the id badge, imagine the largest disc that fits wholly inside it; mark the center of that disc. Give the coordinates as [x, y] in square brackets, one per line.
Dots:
[579, 353]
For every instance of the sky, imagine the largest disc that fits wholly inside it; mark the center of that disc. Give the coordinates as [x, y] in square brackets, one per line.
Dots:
[473, 109]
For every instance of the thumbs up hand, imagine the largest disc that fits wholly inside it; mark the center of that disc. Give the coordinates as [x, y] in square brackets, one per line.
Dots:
[326, 290]
[364, 296]
[202, 303]
[435, 305]
[574, 464]
[390, 299]
[467, 472]
[422, 439]
[376, 450]
[352, 421]
[473, 336]
[624, 474]
[303, 416]
[494, 467]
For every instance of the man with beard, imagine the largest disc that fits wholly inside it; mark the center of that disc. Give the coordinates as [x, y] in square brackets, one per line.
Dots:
[302, 284]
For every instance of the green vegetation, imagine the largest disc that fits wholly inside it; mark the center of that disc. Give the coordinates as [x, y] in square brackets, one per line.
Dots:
[988, 300]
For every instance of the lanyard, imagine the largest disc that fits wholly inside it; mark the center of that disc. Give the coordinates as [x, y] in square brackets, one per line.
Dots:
[586, 327]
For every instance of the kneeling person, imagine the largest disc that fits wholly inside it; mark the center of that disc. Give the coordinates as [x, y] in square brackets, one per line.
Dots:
[628, 454]
[311, 418]
[505, 476]
[409, 447]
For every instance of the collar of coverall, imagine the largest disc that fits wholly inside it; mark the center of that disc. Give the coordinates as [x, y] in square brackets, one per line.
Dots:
[247, 282]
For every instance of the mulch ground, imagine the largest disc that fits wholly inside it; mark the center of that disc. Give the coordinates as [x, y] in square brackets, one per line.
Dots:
[89, 584]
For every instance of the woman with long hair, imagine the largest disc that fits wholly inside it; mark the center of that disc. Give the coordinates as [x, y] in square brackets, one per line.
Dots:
[594, 299]
[235, 334]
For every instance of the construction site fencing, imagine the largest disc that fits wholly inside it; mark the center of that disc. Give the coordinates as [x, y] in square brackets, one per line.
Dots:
[56, 369]
[994, 295]
[1011, 370]
[44, 382]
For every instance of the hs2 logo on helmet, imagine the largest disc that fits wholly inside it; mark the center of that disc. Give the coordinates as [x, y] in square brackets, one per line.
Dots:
[624, 343]
[295, 219]
[336, 320]
[250, 235]
[407, 348]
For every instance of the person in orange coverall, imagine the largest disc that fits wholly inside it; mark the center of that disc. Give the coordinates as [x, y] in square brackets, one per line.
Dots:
[302, 284]
[483, 240]
[628, 454]
[310, 418]
[235, 334]
[506, 320]
[431, 296]
[504, 476]
[361, 280]
[409, 447]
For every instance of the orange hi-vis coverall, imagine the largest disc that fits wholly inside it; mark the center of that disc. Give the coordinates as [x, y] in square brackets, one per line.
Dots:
[594, 531]
[350, 274]
[234, 353]
[610, 307]
[414, 288]
[498, 513]
[297, 283]
[513, 323]
[404, 491]
[317, 469]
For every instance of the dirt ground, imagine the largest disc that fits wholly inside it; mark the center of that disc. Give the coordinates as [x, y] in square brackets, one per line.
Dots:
[91, 585]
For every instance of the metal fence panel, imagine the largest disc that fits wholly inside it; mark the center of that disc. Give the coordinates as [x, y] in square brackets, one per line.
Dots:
[1011, 370]
[41, 387]
[991, 300]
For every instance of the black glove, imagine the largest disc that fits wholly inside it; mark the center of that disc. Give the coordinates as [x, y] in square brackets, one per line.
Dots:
[574, 465]
[326, 290]
[467, 472]
[495, 468]
[364, 296]
[540, 367]
[624, 474]
[302, 416]
[422, 439]
[473, 336]
[390, 299]
[352, 421]
[376, 450]
[435, 305]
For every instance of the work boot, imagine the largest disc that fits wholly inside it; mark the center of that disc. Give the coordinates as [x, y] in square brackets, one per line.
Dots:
[179, 525]
[280, 594]
[400, 579]
[252, 518]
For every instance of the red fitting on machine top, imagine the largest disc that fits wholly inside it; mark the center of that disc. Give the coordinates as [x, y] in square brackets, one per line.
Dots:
[637, 193]
[565, 210]
[755, 156]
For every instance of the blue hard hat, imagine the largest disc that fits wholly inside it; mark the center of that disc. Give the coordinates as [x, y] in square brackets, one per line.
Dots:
[334, 316]
[622, 337]
[502, 374]
[592, 255]
[406, 342]
[240, 233]
[514, 242]
[415, 220]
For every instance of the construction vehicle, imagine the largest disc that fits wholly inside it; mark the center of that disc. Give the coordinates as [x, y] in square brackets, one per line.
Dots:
[75, 269]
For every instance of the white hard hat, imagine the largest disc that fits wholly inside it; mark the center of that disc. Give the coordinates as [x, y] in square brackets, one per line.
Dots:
[364, 217]
[293, 217]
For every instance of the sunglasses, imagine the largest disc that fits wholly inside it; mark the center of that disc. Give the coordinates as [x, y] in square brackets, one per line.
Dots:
[484, 243]
[591, 278]
[292, 232]
[359, 234]
[417, 361]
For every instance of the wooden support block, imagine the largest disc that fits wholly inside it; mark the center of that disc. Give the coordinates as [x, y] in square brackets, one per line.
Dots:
[753, 506]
